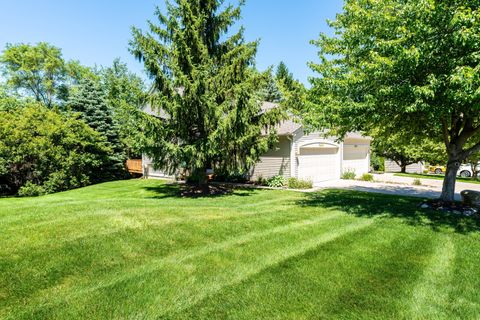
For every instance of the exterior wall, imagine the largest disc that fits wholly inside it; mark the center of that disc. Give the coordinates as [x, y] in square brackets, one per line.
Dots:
[275, 162]
[391, 166]
[150, 172]
[356, 156]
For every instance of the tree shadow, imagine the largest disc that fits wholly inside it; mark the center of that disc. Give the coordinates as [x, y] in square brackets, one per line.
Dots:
[182, 190]
[364, 204]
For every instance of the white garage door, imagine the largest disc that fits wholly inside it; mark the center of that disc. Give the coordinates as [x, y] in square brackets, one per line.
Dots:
[355, 158]
[318, 164]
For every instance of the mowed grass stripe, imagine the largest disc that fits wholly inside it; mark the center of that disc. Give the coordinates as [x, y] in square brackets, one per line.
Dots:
[431, 294]
[345, 279]
[184, 278]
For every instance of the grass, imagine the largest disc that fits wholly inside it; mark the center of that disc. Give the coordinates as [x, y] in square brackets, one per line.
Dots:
[434, 177]
[135, 250]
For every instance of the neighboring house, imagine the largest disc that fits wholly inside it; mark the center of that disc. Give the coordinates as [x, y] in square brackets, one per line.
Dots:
[392, 166]
[311, 156]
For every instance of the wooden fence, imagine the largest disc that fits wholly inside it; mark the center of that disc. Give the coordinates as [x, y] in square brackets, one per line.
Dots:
[135, 166]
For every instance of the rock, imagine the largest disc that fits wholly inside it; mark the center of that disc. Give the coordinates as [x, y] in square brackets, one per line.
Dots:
[471, 198]
[424, 206]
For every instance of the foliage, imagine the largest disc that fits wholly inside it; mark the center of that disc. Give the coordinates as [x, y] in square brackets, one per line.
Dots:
[284, 75]
[270, 91]
[125, 92]
[417, 182]
[205, 90]
[89, 101]
[366, 177]
[37, 70]
[277, 182]
[377, 162]
[294, 183]
[406, 66]
[30, 189]
[50, 150]
[349, 175]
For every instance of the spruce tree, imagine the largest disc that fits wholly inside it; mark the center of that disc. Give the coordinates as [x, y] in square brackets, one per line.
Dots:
[270, 91]
[206, 89]
[89, 100]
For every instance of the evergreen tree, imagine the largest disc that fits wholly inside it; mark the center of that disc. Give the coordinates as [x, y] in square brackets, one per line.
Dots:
[89, 101]
[284, 75]
[206, 89]
[270, 91]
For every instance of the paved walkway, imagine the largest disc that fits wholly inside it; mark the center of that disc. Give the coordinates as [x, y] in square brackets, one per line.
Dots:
[391, 184]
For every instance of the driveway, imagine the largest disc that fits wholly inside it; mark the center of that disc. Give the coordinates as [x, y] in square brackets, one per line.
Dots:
[390, 184]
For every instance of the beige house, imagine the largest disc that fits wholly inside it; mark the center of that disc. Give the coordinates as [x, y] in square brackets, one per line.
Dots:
[310, 156]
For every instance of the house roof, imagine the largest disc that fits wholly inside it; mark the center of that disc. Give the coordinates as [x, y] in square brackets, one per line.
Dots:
[284, 128]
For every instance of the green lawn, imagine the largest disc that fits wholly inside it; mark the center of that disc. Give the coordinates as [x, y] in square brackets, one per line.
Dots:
[434, 177]
[135, 250]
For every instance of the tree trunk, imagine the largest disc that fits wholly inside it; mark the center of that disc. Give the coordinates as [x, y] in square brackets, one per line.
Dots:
[448, 191]
[403, 167]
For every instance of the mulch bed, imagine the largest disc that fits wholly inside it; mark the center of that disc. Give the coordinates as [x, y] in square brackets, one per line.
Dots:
[450, 207]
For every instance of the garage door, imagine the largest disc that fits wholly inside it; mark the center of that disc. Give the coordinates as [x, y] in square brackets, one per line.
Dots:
[318, 164]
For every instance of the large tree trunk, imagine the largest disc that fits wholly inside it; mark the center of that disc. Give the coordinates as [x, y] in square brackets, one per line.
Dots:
[448, 191]
[403, 168]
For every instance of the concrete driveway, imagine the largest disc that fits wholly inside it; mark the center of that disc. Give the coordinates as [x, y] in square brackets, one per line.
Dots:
[388, 183]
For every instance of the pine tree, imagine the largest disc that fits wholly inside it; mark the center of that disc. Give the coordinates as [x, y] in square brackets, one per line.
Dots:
[206, 88]
[89, 101]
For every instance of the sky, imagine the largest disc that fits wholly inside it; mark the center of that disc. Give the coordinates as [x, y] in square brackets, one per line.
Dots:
[95, 32]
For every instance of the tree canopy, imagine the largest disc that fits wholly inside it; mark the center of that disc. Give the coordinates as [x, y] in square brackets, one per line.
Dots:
[408, 66]
[37, 70]
[205, 88]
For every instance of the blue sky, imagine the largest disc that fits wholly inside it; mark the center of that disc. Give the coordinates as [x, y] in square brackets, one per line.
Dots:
[97, 31]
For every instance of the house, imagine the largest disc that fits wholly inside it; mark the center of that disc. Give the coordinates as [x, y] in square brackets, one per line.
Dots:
[392, 166]
[306, 156]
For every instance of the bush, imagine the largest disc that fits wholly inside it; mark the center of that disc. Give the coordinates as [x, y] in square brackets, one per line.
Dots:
[366, 177]
[30, 189]
[417, 182]
[294, 183]
[349, 175]
[52, 151]
[276, 182]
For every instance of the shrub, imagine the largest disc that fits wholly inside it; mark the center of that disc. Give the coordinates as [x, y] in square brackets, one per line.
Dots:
[30, 189]
[294, 183]
[276, 182]
[366, 177]
[53, 151]
[349, 175]
[417, 182]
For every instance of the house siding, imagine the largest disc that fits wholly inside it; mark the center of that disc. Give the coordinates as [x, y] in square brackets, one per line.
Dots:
[150, 172]
[391, 166]
[275, 162]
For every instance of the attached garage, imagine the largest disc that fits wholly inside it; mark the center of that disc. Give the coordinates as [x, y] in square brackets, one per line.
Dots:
[318, 162]
[356, 156]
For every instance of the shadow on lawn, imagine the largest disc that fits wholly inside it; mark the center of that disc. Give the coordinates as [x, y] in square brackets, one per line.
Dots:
[182, 190]
[364, 204]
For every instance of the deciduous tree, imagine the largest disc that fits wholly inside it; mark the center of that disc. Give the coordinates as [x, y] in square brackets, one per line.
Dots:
[409, 66]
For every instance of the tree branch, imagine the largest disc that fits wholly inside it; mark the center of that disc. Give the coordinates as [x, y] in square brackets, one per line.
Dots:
[467, 153]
